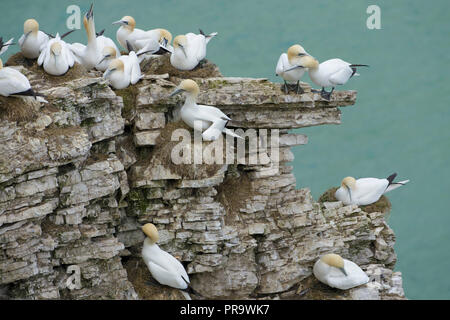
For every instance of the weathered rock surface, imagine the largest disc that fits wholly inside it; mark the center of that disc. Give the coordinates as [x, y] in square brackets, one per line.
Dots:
[78, 180]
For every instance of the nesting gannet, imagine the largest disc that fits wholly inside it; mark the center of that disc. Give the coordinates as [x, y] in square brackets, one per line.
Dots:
[207, 118]
[56, 57]
[108, 54]
[5, 45]
[14, 83]
[32, 39]
[163, 267]
[189, 50]
[366, 191]
[157, 42]
[340, 273]
[91, 54]
[292, 61]
[139, 38]
[124, 71]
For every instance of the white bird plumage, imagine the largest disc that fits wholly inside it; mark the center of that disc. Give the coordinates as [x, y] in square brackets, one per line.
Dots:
[14, 83]
[365, 191]
[32, 40]
[201, 117]
[56, 57]
[124, 71]
[290, 67]
[163, 267]
[336, 272]
[189, 50]
[5, 45]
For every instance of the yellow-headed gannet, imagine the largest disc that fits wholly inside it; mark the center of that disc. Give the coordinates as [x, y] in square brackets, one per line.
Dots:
[5, 45]
[330, 73]
[32, 39]
[90, 55]
[14, 83]
[189, 50]
[56, 57]
[366, 191]
[108, 54]
[293, 58]
[202, 117]
[124, 71]
[163, 267]
[138, 39]
[340, 273]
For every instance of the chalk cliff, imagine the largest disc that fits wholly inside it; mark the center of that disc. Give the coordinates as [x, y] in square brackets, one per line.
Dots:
[79, 176]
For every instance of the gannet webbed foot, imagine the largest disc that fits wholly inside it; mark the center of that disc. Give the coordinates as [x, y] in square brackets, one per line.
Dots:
[299, 89]
[326, 95]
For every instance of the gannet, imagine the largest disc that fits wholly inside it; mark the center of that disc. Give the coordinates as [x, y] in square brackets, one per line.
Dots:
[90, 55]
[124, 71]
[56, 57]
[5, 45]
[32, 39]
[163, 267]
[189, 50]
[108, 54]
[293, 58]
[340, 273]
[14, 83]
[207, 118]
[365, 191]
[158, 42]
[139, 38]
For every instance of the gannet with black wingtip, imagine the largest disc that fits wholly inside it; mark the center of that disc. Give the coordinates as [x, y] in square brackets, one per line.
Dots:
[330, 73]
[32, 39]
[108, 54]
[5, 45]
[138, 38]
[91, 54]
[340, 273]
[56, 57]
[124, 71]
[189, 50]
[365, 191]
[287, 61]
[202, 117]
[14, 83]
[157, 42]
[163, 267]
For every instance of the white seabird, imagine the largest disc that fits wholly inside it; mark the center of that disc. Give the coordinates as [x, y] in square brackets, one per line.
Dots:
[202, 117]
[56, 57]
[292, 60]
[163, 267]
[32, 39]
[14, 83]
[108, 54]
[91, 54]
[5, 45]
[366, 191]
[340, 273]
[124, 71]
[189, 50]
[138, 39]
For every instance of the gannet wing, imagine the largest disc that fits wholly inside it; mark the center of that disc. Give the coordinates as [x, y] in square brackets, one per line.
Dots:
[396, 185]
[135, 67]
[215, 130]
[210, 113]
[341, 76]
[369, 189]
[197, 45]
[282, 64]
[6, 45]
[68, 55]
[12, 82]
[21, 40]
[45, 50]
[164, 276]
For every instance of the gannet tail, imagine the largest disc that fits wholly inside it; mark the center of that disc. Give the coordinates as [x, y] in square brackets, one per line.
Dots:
[354, 66]
[186, 295]
[394, 185]
[231, 133]
[208, 36]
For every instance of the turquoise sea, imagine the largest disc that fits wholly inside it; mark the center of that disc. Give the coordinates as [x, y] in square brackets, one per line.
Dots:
[400, 122]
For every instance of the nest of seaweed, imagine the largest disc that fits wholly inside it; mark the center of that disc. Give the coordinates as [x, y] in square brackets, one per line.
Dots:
[382, 205]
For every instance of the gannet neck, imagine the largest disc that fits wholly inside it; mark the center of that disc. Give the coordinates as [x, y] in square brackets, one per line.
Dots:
[149, 242]
[191, 99]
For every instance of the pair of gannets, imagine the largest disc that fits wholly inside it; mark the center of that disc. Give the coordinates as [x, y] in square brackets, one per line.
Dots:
[32, 40]
[56, 56]
[90, 55]
[189, 50]
[336, 272]
[330, 73]
[365, 191]
[163, 267]
[151, 40]
[202, 117]
[14, 83]
[124, 71]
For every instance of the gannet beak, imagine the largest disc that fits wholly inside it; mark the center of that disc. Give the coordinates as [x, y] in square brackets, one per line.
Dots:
[105, 57]
[90, 13]
[175, 92]
[184, 51]
[120, 22]
[343, 271]
[106, 74]
[293, 68]
[27, 34]
[350, 193]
